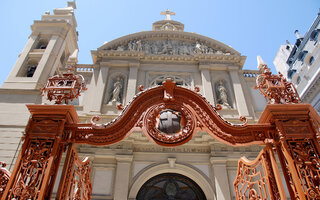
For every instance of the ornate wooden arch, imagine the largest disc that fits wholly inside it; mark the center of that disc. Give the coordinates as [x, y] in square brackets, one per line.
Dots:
[142, 112]
[291, 130]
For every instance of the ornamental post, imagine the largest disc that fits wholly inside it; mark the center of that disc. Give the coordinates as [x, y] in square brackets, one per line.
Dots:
[296, 136]
[37, 165]
[295, 140]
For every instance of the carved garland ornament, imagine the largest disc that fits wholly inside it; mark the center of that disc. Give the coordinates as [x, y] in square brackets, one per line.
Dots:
[151, 121]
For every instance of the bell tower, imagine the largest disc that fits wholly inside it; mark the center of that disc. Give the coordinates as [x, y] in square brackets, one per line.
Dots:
[52, 42]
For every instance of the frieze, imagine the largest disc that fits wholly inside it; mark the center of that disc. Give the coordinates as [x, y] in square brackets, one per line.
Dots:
[167, 47]
[158, 149]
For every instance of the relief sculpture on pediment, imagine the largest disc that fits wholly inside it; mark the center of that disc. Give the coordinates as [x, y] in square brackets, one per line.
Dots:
[167, 47]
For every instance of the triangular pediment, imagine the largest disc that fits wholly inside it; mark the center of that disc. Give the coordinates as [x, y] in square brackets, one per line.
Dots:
[168, 43]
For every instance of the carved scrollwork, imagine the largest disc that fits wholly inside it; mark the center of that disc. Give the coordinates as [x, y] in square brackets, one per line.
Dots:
[193, 107]
[65, 87]
[255, 179]
[4, 177]
[276, 88]
[33, 165]
[75, 182]
[307, 161]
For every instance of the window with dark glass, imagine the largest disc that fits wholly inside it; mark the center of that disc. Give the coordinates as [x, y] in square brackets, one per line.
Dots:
[170, 186]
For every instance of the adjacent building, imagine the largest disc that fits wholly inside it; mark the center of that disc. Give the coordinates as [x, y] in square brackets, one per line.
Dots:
[300, 63]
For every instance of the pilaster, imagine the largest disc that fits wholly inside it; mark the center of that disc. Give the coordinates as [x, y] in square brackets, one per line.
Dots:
[122, 179]
[219, 168]
[132, 81]
[207, 85]
[95, 95]
[239, 94]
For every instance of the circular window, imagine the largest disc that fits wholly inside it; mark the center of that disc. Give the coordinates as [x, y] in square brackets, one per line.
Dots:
[170, 186]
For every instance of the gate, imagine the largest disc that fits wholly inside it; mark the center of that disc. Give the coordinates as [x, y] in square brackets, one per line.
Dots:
[288, 129]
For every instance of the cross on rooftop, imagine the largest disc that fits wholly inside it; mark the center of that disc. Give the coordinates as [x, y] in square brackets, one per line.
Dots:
[168, 14]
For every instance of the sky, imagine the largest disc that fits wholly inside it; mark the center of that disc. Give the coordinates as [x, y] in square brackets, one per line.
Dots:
[252, 27]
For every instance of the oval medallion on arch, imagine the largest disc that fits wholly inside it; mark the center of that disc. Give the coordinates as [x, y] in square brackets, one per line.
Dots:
[170, 186]
[169, 124]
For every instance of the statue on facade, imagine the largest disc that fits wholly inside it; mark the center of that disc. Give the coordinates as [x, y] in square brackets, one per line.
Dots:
[116, 92]
[197, 48]
[222, 94]
[139, 45]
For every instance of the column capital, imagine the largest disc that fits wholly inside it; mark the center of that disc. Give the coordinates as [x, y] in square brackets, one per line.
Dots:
[124, 158]
[233, 68]
[134, 64]
[218, 161]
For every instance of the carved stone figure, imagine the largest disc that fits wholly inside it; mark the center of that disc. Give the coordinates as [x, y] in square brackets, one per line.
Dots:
[120, 48]
[197, 48]
[130, 46]
[117, 88]
[222, 94]
[139, 45]
[168, 47]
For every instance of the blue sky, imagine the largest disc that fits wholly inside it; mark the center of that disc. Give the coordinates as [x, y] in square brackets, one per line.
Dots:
[252, 27]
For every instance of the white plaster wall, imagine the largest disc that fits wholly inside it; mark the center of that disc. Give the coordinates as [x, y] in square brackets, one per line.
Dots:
[9, 144]
[103, 181]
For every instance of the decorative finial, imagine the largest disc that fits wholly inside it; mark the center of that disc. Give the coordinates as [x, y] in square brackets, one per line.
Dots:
[261, 63]
[65, 87]
[275, 87]
[168, 14]
[298, 35]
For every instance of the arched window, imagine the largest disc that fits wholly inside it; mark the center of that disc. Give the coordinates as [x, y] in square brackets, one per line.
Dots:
[179, 81]
[42, 44]
[31, 69]
[170, 186]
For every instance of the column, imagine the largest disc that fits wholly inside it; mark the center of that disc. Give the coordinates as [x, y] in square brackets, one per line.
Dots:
[207, 85]
[220, 178]
[132, 82]
[95, 94]
[238, 91]
[121, 186]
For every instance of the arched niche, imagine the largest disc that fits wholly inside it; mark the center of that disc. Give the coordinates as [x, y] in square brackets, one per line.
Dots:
[222, 87]
[146, 174]
[116, 80]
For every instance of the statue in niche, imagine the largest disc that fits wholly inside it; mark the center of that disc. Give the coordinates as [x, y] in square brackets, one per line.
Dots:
[222, 94]
[117, 91]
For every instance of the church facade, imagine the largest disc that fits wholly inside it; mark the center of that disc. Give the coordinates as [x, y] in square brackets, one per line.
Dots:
[202, 168]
